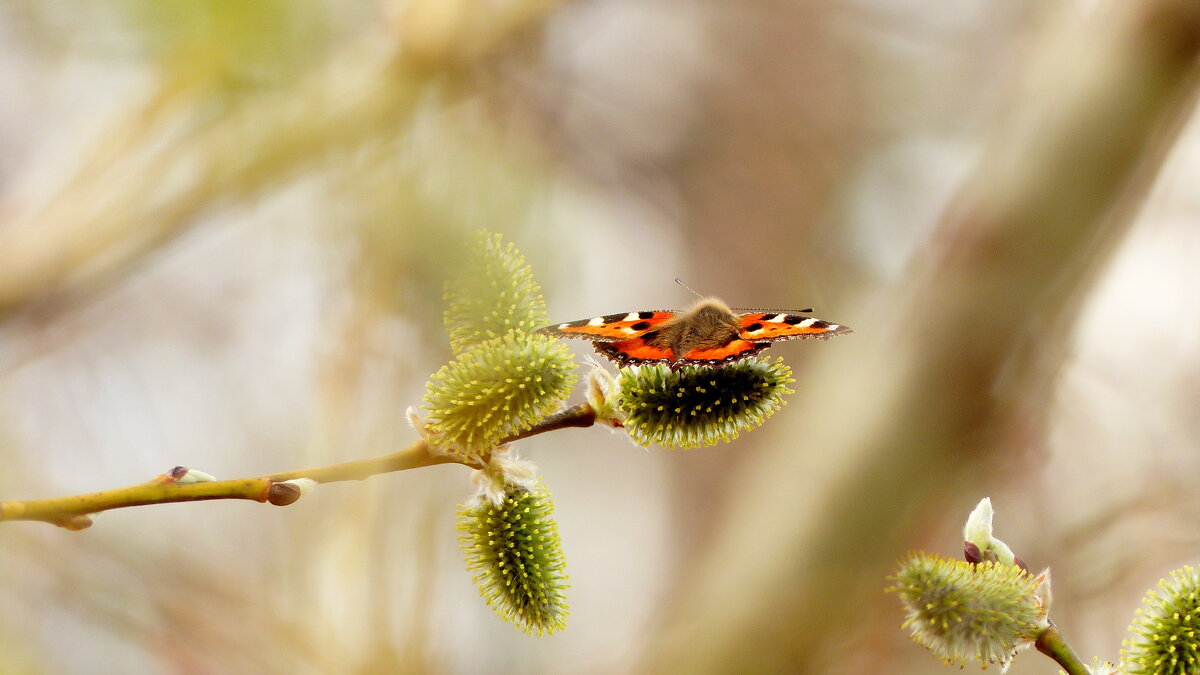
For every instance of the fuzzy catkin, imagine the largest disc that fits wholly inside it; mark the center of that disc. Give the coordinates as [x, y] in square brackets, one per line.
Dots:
[697, 406]
[514, 551]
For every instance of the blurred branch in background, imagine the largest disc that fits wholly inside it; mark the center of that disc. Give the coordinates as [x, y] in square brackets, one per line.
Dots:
[962, 363]
[384, 116]
[164, 163]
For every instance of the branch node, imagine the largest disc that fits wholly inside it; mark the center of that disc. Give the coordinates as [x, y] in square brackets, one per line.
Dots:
[75, 523]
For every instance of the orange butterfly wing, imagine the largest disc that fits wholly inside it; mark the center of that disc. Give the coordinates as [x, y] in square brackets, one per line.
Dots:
[772, 326]
[633, 351]
[731, 351]
[610, 327]
[619, 336]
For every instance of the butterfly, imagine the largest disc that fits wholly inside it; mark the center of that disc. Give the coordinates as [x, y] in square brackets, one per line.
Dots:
[708, 334]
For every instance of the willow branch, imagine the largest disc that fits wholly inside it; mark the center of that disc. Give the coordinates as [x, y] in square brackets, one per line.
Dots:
[74, 512]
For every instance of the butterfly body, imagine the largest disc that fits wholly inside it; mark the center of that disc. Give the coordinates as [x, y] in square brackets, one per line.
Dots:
[710, 334]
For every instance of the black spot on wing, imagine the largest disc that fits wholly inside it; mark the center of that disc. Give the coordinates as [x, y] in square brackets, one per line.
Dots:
[613, 318]
[753, 327]
[793, 319]
[645, 315]
[641, 325]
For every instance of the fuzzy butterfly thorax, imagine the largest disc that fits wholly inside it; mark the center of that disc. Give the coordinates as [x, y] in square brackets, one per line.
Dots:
[709, 334]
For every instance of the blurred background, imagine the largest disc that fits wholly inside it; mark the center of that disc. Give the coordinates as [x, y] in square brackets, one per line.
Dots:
[224, 230]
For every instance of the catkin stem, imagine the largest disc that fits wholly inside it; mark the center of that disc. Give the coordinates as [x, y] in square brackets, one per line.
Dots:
[1052, 644]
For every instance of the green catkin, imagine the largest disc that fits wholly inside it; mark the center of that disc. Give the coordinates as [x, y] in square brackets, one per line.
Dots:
[493, 293]
[697, 406]
[1163, 639]
[505, 377]
[496, 389]
[962, 611]
[514, 552]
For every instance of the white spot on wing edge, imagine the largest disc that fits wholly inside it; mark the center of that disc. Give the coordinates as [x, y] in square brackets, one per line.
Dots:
[778, 318]
[632, 316]
[564, 326]
[597, 321]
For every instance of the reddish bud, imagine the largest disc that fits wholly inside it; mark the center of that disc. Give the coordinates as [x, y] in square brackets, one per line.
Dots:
[282, 494]
[971, 553]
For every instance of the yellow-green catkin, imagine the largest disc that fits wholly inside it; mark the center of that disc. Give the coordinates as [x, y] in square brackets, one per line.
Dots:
[495, 390]
[505, 377]
[492, 294]
[697, 406]
[514, 552]
[964, 611]
[1163, 638]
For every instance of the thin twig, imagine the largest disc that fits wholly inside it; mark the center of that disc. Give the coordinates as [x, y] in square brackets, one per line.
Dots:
[580, 415]
[73, 513]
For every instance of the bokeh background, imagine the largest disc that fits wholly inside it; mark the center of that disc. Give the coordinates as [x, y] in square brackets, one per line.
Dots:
[225, 227]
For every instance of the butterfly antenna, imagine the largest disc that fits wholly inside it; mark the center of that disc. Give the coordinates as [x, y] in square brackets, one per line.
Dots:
[680, 282]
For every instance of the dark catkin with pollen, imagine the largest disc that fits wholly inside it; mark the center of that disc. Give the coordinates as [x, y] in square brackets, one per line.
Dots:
[513, 550]
[696, 406]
